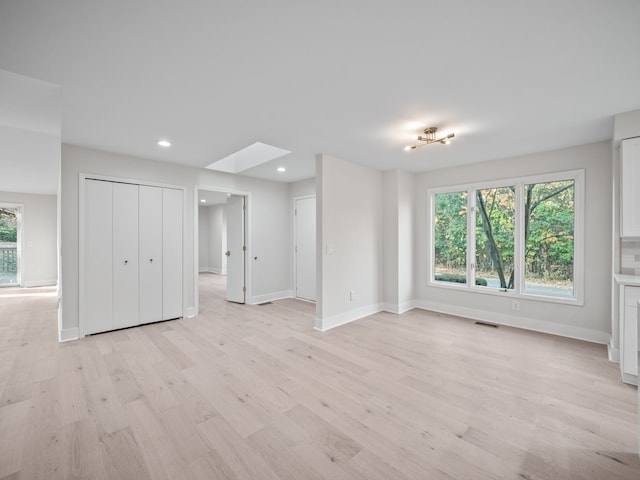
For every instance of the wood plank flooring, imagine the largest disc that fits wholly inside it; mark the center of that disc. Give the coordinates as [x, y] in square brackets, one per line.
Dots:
[252, 392]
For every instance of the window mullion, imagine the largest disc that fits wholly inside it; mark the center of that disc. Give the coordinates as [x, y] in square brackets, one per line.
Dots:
[519, 248]
[471, 238]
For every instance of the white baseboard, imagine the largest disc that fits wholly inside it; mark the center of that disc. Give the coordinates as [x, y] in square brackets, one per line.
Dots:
[39, 283]
[68, 334]
[613, 353]
[630, 379]
[219, 271]
[349, 316]
[398, 308]
[270, 297]
[536, 325]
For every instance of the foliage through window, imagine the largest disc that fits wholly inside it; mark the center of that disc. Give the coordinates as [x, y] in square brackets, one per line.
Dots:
[511, 236]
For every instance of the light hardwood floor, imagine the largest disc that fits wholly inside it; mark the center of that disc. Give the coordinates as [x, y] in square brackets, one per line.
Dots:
[252, 392]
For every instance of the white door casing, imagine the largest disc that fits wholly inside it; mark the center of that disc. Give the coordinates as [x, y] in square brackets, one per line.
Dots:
[131, 254]
[305, 247]
[236, 249]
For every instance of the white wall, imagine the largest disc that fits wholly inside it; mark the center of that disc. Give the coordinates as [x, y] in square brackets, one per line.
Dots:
[267, 212]
[398, 195]
[39, 237]
[217, 239]
[588, 322]
[203, 238]
[349, 241]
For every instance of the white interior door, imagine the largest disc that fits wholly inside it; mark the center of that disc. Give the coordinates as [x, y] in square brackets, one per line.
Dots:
[150, 248]
[172, 254]
[235, 249]
[97, 295]
[305, 249]
[125, 255]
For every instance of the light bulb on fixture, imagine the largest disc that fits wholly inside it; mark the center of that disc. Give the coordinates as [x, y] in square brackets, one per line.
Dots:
[281, 169]
[164, 143]
[430, 137]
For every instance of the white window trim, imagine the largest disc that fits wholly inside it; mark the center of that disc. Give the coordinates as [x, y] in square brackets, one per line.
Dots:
[578, 176]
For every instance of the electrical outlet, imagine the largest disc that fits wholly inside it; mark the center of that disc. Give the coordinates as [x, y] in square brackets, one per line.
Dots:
[352, 295]
[515, 305]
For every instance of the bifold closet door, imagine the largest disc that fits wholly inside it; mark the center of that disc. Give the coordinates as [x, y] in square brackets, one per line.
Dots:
[172, 254]
[150, 248]
[125, 255]
[98, 257]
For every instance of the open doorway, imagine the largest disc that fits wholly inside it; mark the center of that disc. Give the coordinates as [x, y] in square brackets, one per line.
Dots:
[222, 247]
[10, 240]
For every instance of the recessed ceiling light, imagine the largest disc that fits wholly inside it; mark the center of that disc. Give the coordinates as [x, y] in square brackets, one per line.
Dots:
[281, 169]
[203, 201]
[228, 195]
[164, 143]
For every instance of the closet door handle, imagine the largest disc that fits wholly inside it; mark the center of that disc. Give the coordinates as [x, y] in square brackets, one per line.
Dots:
[227, 253]
[126, 262]
[151, 260]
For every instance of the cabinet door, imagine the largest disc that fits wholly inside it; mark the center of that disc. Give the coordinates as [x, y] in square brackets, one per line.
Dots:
[172, 233]
[125, 255]
[629, 352]
[150, 248]
[630, 188]
[629, 331]
[97, 296]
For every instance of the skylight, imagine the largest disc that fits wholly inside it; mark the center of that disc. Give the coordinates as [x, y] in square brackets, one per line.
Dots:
[248, 157]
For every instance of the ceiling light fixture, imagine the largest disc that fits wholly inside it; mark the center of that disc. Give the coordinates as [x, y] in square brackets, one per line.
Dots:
[281, 169]
[203, 201]
[164, 143]
[428, 137]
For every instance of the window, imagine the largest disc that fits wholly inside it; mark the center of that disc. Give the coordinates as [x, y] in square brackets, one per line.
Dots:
[450, 239]
[522, 236]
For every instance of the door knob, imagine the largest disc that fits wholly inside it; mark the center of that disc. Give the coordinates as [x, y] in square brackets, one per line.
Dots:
[227, 253]
[126, 262]
[151, 260]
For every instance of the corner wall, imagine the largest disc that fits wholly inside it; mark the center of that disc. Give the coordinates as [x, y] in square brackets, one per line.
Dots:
[349, 246]
[268, 214]
[590, 322]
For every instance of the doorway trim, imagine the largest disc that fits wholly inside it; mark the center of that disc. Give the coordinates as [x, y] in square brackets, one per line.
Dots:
[19, 242]
[196, 242]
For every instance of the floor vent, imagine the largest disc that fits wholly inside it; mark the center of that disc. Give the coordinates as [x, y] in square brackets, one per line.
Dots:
[485, 324]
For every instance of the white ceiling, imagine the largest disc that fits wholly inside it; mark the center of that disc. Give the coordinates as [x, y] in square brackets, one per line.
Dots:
[348, 78]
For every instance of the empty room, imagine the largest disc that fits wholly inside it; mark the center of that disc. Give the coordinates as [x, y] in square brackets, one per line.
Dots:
[319, 240]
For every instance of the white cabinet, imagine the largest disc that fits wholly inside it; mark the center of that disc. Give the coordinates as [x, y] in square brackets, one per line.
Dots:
[630, 187]
[629, 297]
[133, 252]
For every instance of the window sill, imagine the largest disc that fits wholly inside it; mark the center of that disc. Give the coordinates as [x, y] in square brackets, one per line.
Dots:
[463, 287]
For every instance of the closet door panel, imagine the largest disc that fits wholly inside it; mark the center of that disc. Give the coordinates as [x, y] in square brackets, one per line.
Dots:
[98, 257]
[125, 255]
[150, 236]
[172, 232]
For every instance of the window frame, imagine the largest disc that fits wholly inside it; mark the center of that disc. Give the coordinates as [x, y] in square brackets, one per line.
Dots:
[518, 291]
